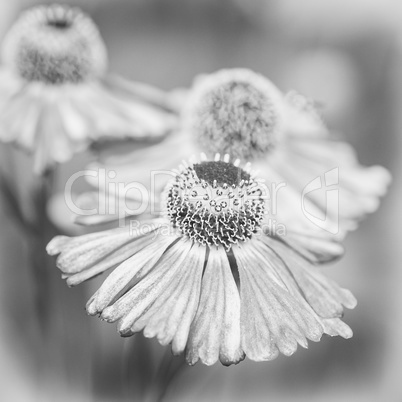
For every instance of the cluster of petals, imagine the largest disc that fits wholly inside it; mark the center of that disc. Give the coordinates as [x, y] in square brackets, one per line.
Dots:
[57, 97]
[259, 298]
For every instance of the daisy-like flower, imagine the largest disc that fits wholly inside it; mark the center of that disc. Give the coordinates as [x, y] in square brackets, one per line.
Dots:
[209, 275]
[244, 114]
[56, 95]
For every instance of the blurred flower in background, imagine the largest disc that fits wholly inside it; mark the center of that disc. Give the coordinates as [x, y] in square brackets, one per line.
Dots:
[242, 113]
[57, 97]
[298, 152]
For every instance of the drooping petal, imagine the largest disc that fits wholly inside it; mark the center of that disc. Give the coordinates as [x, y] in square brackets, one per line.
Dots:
[22, 131]
[132, 305]
[79, 253]
[285, 271]
[111, 115]
[215, 332]
[336, 327]
[302, 161]
[113, 259]
[141, 92]
[75, 124]
[53, 148]
[170, 316]
[63, 243]
[135, 266]
[154, 164]
[272, 320]
[329, 153]
[146, 118]
[323, 295]
[118, 206]
[292, 208]
[88, 253]
[313, 247]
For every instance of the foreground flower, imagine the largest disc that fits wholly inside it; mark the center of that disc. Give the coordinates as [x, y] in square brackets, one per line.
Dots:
[211, 276]
[56, 96]
[242, 113]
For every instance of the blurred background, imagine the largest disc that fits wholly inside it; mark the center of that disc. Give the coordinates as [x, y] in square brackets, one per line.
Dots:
[347, 55]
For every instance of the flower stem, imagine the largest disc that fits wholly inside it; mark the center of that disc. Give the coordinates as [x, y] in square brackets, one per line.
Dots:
[170, 367]
[41, 233]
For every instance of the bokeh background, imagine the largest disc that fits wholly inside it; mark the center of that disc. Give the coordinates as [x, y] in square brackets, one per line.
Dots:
[347, 55]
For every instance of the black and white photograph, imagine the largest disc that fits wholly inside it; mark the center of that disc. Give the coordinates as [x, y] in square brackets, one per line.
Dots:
[200, 201]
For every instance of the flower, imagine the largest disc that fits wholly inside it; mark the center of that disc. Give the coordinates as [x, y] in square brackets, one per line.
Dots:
[210, 275]
[242, 113]
[56, 95]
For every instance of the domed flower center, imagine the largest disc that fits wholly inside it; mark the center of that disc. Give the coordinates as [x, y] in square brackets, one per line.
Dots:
[59, 23]
[236, 111]
[216, 203]
[55, 45]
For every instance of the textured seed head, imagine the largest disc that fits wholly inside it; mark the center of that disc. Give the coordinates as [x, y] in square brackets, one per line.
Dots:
[237, 112]
[215, 202]
[55, 45]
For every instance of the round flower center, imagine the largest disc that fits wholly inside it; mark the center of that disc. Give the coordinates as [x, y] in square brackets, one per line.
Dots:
[216, 203]
[237, 112]
[55, 45]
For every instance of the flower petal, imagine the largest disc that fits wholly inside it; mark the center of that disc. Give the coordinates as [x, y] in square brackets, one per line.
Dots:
[293, 208]
[215, 332]
[336, 327]
[79, 253]
[314, 248]
[74, 123]
[116, 257]
[323, 294]
[116, 205]
[138, 300]
[17, 128]
[272, 319]
[140, 91]
[359, 187]
[160, 158]
[136, 265]
[65, 243]
[170, 316]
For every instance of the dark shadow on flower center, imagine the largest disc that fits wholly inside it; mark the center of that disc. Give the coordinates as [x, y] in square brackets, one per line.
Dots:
[59, 24]
[220, 171]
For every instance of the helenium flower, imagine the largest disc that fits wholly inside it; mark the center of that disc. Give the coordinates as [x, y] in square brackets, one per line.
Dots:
[57, 96]
[208, 276]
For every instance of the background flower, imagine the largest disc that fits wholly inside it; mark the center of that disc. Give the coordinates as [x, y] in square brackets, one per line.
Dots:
[57, 97]
[242, 113]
